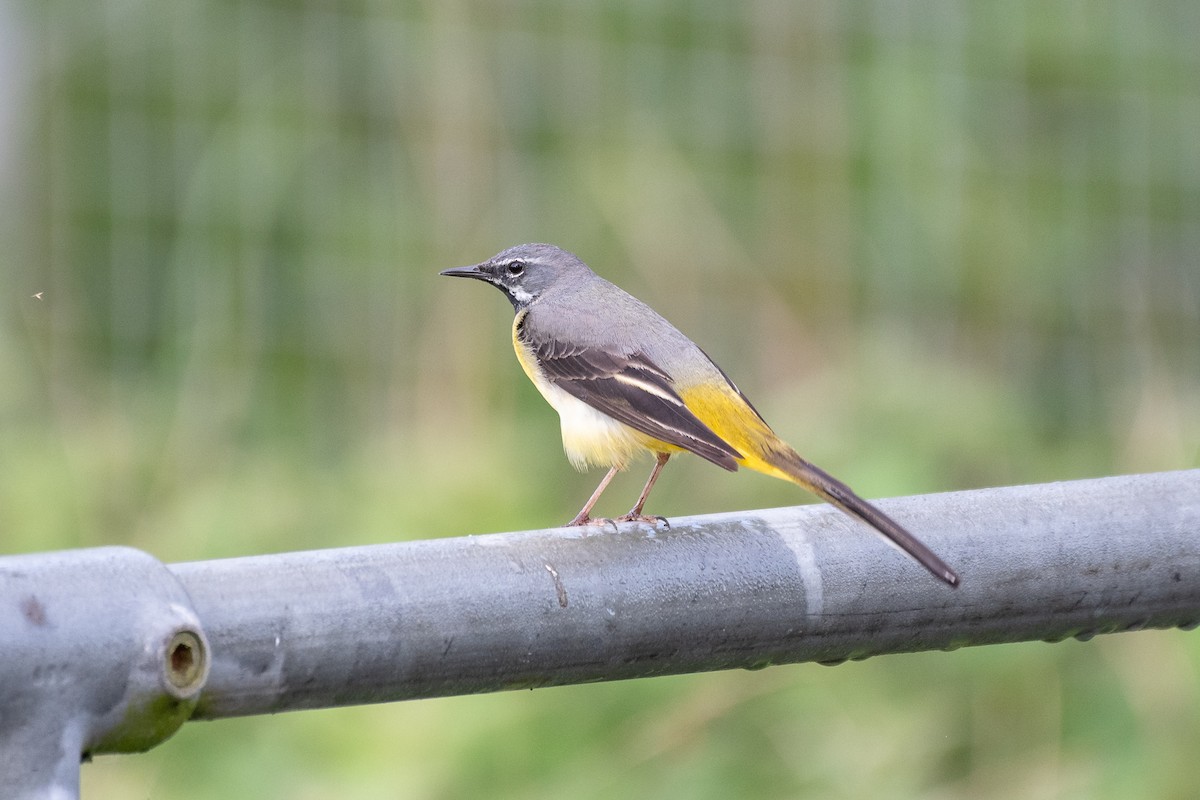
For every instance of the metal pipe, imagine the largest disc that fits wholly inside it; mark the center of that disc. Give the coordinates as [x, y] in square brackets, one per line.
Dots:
[746, 589]
[100, 652]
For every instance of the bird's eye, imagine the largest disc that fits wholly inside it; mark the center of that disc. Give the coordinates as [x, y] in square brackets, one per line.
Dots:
[515, 268]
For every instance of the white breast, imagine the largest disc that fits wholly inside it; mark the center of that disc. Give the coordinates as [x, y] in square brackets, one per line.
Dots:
[590, 437]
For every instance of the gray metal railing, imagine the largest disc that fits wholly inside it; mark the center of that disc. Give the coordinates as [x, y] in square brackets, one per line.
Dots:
[108, 650]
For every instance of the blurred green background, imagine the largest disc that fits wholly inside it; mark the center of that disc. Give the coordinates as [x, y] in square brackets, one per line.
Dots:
[941, 245]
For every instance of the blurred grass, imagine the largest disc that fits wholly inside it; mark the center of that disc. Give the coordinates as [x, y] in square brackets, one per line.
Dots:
[940, 245]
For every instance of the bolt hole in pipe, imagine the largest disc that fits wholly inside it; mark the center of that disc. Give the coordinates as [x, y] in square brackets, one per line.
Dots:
[186, 663]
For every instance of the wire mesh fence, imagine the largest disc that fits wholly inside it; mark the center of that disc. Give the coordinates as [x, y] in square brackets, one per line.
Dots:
[214, 191]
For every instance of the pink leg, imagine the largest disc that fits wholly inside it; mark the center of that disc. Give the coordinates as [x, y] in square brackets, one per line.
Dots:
[635, 514]
[584, 515]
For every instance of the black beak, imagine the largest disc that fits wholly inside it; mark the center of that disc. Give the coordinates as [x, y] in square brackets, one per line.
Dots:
[467, 272]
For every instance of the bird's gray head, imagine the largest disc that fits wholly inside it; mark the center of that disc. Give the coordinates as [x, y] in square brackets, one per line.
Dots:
[526, 272]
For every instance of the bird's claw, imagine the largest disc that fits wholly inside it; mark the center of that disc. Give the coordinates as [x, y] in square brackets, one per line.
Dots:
[583, 520]
[586, 520]
[653, 519]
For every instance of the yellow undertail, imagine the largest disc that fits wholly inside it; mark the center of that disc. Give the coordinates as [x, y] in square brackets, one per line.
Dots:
[723, 410]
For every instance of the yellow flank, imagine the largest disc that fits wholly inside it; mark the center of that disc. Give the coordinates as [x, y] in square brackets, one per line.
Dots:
[523, 355]
[723, 410]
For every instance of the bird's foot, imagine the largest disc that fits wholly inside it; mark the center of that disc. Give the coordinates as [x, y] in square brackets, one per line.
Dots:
[584, 520]
[653, 519]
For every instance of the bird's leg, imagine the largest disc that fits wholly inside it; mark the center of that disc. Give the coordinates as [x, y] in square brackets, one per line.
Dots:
[584, 515]
[635, 514]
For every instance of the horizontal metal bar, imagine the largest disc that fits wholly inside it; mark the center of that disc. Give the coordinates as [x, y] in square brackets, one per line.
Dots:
[747, 589]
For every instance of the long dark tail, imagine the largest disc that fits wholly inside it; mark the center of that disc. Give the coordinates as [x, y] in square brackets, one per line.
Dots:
[829, 488]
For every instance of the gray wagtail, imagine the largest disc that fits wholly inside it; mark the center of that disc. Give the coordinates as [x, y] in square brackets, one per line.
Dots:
[623, 380]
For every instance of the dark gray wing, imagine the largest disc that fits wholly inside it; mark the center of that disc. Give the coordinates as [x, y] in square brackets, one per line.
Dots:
[628, 387]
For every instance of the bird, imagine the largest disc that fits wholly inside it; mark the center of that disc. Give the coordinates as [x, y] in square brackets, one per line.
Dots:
[625, 381]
